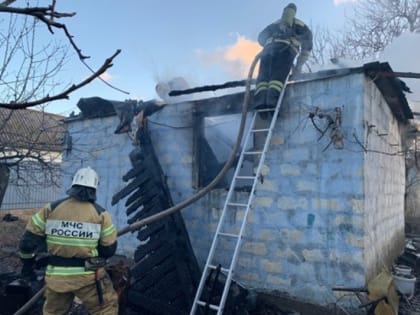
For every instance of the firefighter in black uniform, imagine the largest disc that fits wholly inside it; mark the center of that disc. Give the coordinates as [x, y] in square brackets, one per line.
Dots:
[79, 236]
[282, 41]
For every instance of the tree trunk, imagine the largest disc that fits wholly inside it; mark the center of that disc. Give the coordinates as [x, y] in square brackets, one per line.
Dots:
[4, 180]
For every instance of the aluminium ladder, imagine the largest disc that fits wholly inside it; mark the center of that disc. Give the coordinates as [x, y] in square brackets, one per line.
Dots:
[230, 204]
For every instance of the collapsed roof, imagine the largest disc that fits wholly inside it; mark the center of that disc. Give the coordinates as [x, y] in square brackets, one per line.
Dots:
[382, 75]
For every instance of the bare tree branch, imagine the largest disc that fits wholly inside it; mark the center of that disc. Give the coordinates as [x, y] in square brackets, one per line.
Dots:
[374, 25]
[65, 94]
[47, 16]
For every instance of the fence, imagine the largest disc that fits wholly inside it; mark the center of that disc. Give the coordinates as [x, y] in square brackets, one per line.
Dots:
[29, 197]
[32, 189]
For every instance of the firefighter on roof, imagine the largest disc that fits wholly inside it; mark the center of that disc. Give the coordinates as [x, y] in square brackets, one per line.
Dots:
[282, 41]
[79, 236]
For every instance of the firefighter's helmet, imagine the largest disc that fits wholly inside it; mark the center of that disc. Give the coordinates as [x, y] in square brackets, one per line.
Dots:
[292, 6]
[86, 177]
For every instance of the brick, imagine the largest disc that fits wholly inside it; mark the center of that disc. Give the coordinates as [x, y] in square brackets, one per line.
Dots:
[356, 221]
[306, 186]
[355, 241]
[292, 203]
[290, 170]
[269, 266]
[357, 205]
[166, 158]
[247, 262]
[278, 281]
[267, 185]
[263, 202]
[269, 235]
[265, 170]
[298, 154]
[326, 204]
[186, 159]
[292, 234]
[251, 277]
[313, 255]
[277, 140]
[255, 248]
[311, 169]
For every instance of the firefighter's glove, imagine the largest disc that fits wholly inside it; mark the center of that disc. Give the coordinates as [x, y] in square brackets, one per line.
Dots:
[27, 272]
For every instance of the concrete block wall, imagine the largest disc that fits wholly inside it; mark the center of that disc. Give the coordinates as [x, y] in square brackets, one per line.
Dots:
[308, 216]
[384, 183]
[317, 221]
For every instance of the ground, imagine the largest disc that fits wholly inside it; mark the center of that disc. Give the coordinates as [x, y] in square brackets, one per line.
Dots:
[12, 226]
[10, 233]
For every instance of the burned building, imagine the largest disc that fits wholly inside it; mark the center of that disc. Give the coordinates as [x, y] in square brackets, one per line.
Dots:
[329, 210]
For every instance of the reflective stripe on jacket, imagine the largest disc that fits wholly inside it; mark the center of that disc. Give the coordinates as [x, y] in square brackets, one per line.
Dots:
[72, 229]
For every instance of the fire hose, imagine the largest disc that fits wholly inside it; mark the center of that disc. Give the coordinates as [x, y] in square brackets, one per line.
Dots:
[192, 199]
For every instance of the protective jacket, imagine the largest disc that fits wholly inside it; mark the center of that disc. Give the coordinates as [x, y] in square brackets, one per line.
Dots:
[73, 231]
[281, 43]
[298, 36]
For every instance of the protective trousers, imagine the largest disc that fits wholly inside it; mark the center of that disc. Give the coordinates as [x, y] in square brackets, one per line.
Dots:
[59, 303]
[275, 64]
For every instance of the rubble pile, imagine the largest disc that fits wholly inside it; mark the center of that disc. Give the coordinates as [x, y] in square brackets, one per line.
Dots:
[408, 268]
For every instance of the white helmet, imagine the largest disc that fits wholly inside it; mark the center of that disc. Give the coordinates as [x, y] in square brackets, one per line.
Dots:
[86, 177]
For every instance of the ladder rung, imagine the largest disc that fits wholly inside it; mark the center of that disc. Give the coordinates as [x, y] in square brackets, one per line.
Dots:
[216, 267]
[245, 177]
[211, 306]
[228, 234]
[262, 110]
[235, 204]
[260, 130]
[252, 152]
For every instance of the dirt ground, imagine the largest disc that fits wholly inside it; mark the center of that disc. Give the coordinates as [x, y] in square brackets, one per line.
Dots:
[10, 233]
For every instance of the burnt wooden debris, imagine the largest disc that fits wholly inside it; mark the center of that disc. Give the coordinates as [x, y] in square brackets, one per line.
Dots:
[166, 273]
[226, 85]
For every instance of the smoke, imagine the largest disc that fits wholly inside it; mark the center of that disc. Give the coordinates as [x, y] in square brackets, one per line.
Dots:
[235, 59]
[402, 56]
[163, 88]
[106, 76]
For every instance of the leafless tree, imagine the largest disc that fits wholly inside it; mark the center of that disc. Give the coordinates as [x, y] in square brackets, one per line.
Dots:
[372, 27]
[327, 45]
[30, 141]
[49, 16]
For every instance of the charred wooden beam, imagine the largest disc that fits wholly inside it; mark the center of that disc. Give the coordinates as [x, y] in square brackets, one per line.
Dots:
[213, 87]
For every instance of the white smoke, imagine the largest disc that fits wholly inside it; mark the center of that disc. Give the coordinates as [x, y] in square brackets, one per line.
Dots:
[402, 56]
[165, 87]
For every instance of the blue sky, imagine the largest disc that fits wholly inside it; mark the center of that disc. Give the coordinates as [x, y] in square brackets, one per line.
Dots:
[206, 42]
